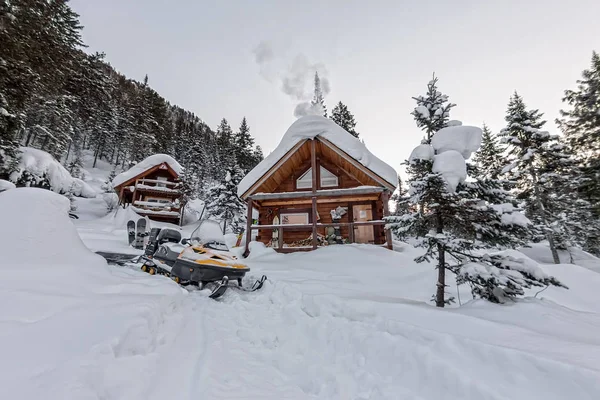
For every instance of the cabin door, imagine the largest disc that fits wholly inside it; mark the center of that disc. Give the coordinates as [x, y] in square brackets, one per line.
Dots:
[363, 234]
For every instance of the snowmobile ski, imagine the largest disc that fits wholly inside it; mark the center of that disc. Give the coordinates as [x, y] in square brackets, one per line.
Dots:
[140, 233]
[256, 286]
[131, 232]
[220, 289]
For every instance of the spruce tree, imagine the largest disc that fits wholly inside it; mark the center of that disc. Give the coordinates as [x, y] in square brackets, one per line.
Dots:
[344, 118]
[226, 146]
[488, 160]
[244, 143]
[534, 160]
[456, 221]
[223, 202]
[400, 199]
[318, 97]
[581, 127]
[432, 112]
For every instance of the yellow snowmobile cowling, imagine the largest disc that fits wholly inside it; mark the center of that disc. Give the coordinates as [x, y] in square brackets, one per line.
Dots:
[201, 255]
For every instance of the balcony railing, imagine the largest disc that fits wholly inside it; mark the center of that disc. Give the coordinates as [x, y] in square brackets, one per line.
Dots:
[157, 185]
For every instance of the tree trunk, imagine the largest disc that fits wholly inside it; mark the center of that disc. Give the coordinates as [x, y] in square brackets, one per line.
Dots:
[542, 211]
[441, 283]
[96, 156]
[555, 257]
[29, 137]
[68, 151]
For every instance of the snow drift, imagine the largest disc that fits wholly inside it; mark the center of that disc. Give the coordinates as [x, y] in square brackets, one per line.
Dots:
[63, 318]
[39, 164]
[309, 127]
[145, 164]
[36, 229]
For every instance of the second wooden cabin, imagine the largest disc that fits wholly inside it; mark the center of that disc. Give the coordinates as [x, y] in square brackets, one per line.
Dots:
[319, 186]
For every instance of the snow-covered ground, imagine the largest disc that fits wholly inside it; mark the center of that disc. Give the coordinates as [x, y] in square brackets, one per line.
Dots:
[343, 322]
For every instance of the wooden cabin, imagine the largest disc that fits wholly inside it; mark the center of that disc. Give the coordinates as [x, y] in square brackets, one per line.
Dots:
[320, 186]
[152, 188]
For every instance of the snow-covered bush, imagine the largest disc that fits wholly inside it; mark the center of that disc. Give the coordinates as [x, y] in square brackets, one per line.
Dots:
[504, 275]
[111, 200]
[36, 168]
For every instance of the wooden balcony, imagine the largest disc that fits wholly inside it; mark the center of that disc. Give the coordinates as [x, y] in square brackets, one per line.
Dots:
[157, 186]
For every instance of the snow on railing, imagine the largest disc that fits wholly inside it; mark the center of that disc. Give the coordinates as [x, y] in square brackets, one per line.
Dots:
[144, 211]
[140, 186]
[154, 204]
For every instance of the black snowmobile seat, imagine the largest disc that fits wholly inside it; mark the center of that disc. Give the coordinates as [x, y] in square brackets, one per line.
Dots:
[168, 236]
[168, 252]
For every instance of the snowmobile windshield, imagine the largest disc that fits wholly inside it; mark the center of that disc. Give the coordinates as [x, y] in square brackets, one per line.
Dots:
[209, 234]
[216, 246]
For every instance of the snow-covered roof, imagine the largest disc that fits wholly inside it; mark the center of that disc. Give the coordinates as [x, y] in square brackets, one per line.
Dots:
[145, 165]
[309, 127]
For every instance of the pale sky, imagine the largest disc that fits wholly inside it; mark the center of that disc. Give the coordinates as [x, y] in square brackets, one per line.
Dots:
[375, 55]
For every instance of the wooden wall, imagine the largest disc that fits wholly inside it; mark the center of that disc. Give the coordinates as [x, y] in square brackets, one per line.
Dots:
[266, 215]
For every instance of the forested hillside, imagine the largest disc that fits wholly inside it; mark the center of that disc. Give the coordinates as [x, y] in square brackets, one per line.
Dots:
[56, 97]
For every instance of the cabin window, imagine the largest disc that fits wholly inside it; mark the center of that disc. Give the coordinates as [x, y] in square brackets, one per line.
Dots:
[161, 178]
[328, 179]
[305, 181]
[289, 218]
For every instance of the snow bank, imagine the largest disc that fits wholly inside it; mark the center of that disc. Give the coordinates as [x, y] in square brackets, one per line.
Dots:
[71, 326]
[309, 127]
[38, 163]
[145, 164]
[451, 165]
[464, 139]
[36, 229]
[5, 185]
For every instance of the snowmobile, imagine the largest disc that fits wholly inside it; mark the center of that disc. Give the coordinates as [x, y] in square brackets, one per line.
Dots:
[202, 260]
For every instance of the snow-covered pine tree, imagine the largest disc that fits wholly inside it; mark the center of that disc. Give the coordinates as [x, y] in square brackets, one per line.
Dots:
[244, 143]
[226, 147]
[581, 126]
[400, 199]
[488, 160]
[8, 145]
[223, 202]
[432, 112]
[318, 97]
[344, 118]
[458, 222]
[535, 158]
[107, 186]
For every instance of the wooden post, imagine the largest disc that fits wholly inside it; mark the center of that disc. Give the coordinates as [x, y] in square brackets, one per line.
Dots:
[385, 198]
[313, 161]
[314, 222]
[280, 236]
[248, 228]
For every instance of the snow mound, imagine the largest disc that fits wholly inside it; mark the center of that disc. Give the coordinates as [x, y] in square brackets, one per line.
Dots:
[258, 249]
[451, 165]
[464, 139]
[421, 152]
[38, 163]
[145, 164]
[41, 232]
[309, 127]
[5, 185]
